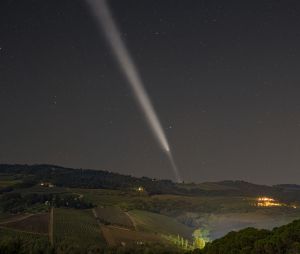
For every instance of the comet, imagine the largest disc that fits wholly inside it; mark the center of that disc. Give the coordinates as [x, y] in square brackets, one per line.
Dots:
[105, 21]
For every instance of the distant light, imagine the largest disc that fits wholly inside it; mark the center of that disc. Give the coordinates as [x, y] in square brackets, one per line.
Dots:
[268, 202]
[265, 199]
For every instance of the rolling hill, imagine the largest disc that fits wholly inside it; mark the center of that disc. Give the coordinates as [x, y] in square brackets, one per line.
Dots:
[86, 211]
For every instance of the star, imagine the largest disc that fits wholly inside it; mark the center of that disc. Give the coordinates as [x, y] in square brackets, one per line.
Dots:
[54, 100]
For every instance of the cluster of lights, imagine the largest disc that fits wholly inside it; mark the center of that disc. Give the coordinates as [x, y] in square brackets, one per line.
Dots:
[268, 202]
[46, 184]
[265, 199]
[271, 202]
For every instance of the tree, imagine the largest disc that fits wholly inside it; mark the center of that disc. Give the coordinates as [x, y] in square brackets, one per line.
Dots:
[201, 237]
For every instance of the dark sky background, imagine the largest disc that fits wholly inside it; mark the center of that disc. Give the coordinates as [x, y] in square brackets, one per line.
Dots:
[224, 77]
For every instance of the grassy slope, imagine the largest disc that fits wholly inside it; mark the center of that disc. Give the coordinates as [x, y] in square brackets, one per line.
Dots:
[7, 182]
[208, 186]
[170, 203]
[152, 222]
[104, 197]
[205, 204]
[116, 236]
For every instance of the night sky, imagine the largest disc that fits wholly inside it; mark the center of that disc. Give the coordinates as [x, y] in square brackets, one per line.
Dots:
[223, 76]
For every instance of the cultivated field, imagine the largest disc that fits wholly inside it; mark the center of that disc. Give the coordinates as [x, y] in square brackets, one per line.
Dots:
[76, 226]
[7, 217]
[114, 216]
[152, 222]
[37, 223]
[121, 236]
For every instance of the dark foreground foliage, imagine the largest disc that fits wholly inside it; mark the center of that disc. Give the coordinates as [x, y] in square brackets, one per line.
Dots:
[282, 240]
[18, 246]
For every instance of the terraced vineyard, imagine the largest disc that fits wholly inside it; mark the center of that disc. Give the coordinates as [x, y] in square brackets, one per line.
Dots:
[76, 226]
[113, 215]
[37, 223]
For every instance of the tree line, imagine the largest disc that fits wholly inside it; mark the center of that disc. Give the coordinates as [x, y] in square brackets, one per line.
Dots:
[281, 240]
[16, 202]
[100, 179]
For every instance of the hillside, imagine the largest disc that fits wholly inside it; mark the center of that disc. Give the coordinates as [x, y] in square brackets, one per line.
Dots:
[65, 210]
[99, 179]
